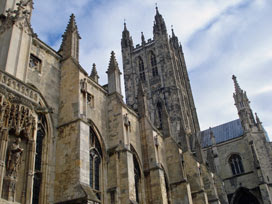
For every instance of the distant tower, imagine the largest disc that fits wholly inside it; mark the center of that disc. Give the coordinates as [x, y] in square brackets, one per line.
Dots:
[160, 66]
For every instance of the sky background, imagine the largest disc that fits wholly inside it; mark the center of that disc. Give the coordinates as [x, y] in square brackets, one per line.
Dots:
[219, 38]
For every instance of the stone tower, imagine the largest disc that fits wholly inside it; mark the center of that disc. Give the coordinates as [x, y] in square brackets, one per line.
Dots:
[159, 65]
[15, 36]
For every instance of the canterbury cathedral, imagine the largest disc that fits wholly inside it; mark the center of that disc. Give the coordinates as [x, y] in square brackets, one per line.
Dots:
[66, 139]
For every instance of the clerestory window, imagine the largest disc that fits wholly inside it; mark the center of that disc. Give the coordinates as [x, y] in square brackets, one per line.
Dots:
[236, 164]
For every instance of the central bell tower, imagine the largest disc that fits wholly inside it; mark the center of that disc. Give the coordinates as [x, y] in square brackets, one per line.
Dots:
[158, 64]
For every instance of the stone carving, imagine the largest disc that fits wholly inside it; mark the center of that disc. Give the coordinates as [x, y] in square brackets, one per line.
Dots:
[83, 85]
[14, 158]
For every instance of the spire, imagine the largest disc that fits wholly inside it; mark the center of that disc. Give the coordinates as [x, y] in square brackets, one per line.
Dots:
[174, 39]
[258, 119]
[126, 40]
[159, 24]
[94, 74]
[70, 40]
[114, 73]
[142, 38]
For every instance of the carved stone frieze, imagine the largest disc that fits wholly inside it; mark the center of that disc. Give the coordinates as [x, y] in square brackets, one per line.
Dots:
[17, 87]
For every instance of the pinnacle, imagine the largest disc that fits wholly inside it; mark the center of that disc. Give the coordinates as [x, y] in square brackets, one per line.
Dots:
[236, 85]
[94, 71]
[113, 65]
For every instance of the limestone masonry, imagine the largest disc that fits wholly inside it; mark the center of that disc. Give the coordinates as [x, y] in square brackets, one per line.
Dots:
[65, 139]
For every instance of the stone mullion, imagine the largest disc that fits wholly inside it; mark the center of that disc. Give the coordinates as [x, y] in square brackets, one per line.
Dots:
[3, 150]
[30, 169]
[31, 151]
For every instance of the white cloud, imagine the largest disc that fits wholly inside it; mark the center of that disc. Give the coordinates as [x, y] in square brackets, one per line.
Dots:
[219, 38]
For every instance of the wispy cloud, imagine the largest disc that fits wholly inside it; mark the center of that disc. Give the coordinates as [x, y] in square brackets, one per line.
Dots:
[219, 38]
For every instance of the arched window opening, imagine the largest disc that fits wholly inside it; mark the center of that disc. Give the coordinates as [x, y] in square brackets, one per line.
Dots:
[243, 195]
[236, 164]
[141, 69]
[137, 177]
[154, 64]
[95, 163]
[159, 109]
[41, 133]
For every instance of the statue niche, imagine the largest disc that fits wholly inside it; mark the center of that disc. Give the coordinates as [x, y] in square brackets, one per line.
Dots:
[14, 158]
[15, 167]
[17, 142]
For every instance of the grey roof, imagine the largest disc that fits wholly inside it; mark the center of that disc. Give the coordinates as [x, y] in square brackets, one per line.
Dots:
[222, 133]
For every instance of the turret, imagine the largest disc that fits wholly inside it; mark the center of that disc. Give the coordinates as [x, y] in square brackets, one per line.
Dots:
[15, 36]
[159, 27]
[243, 107]
[174, 40]
[114, 84]
[94, 74]
[70, 40]
[126, 40]
[142, 38]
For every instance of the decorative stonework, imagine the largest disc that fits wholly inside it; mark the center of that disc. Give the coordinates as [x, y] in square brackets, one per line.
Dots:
[19, 87]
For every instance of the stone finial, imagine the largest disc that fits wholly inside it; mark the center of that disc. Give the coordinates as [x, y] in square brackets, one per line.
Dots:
[113, 65]
[114, 83]
[70, 40]
[94, 74]
[212, 137]
[236, 84]
[142, 38]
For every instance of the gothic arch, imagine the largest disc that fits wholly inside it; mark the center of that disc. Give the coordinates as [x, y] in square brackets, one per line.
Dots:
[244, 196]
[167, 185]
[138, 176]
[47, 149]
[97, 165]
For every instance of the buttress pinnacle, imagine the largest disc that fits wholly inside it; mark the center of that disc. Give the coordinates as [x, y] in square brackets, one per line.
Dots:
[236, 85]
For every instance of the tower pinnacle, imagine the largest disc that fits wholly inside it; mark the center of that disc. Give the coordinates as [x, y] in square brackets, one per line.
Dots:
[94, 74]
[114, 73]
[70, 40]
[159, 24]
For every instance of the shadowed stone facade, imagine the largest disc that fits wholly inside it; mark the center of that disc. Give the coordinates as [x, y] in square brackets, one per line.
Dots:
[64, 138]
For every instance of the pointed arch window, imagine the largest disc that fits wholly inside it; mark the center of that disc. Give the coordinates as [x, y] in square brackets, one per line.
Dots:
[95, 163]
[137, 177]
[141, 69]
[41, 133]
[154, 64]
[236, 164]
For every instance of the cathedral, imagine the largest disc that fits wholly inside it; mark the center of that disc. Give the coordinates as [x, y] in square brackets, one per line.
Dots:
[66, 139]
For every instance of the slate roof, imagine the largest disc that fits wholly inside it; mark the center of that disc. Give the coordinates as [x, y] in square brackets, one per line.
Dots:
[222, 133]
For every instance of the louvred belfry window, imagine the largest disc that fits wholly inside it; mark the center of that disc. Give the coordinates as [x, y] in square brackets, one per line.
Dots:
[154, 64]
[141, 69]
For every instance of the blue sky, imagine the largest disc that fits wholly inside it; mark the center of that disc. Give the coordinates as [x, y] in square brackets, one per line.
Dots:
[219, 38]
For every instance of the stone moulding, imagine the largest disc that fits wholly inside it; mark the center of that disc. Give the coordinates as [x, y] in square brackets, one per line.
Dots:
[19, 87]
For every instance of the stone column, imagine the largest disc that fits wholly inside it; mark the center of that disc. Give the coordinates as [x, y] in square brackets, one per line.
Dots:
[30, 168]
[3, 150]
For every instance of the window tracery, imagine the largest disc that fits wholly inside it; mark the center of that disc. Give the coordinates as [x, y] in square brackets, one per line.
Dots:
[95, 163]
[236, 164]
